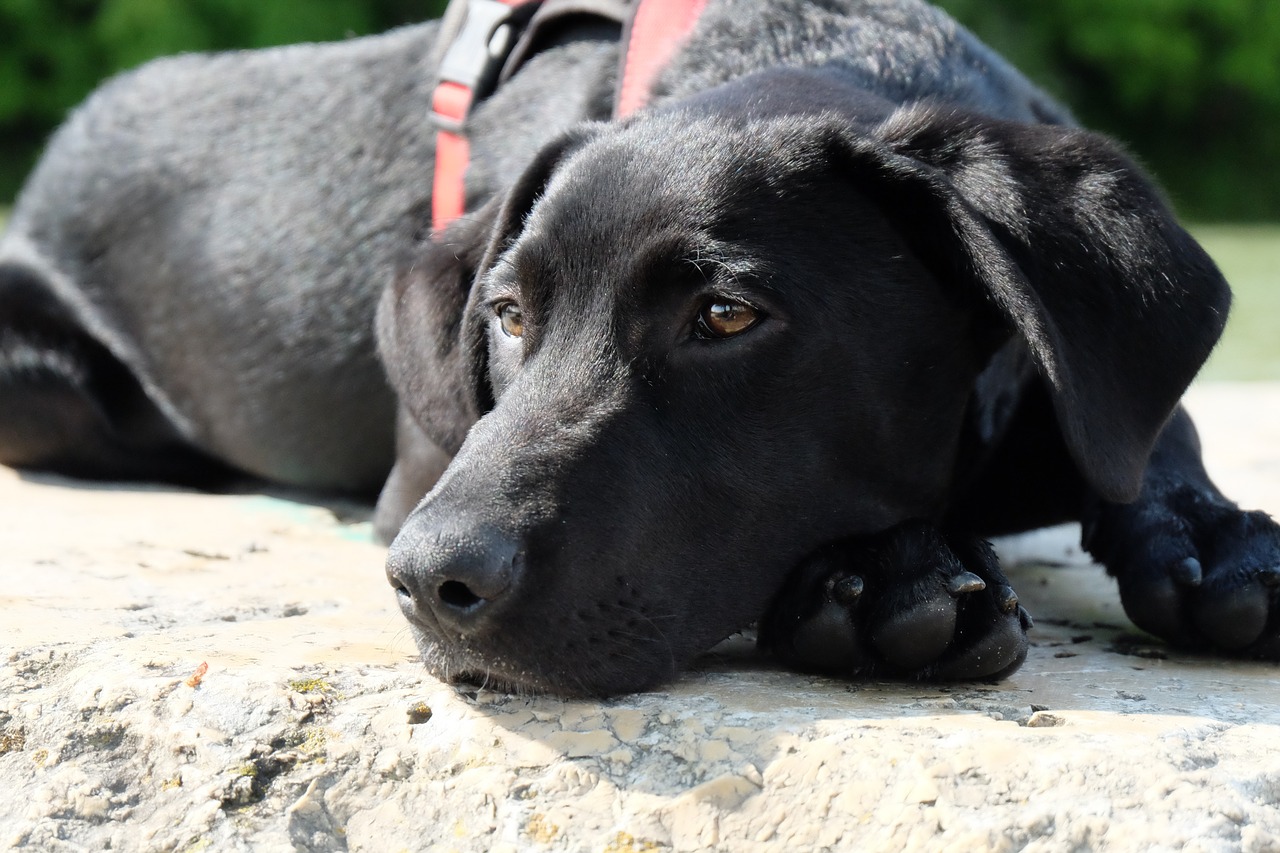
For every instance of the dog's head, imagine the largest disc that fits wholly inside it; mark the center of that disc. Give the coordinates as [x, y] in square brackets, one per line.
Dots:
[698, 346]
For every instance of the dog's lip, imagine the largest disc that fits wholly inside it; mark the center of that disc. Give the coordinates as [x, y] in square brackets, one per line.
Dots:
[499, 682]
[464, 664]
[500, 676]
[452, 661]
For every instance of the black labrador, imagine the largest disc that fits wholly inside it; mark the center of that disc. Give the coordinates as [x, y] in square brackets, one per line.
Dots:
[849, 295]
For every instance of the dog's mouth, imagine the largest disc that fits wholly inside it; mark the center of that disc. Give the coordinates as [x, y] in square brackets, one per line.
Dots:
[591, 666]
[497, 678]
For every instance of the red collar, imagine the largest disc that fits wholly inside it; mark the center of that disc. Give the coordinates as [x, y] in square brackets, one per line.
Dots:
[469, 68]
[480, 46]
[657, 28]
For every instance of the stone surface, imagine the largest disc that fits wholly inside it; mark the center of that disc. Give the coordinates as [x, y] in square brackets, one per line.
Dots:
[192, 672]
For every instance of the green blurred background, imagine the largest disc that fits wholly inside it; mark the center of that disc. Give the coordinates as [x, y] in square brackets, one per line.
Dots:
[1192, 87]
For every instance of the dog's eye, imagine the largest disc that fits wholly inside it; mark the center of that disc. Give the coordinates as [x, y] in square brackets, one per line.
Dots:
[511, 318]
[724, 318]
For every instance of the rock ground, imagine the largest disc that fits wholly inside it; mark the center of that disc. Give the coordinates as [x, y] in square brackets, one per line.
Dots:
[189, 672]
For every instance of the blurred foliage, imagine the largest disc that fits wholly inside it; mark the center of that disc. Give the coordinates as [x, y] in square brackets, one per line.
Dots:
[54, 52]
[1192, 86]
[1249, 256]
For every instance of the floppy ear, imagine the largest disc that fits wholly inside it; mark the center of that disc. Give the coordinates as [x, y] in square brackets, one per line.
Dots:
[418, 321]
[430, 323]
[1078, 253]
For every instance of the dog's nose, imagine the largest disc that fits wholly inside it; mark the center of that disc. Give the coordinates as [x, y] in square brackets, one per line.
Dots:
[460, 576]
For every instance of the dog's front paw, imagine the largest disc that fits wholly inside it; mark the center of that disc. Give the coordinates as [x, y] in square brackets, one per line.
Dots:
[1195, 570]
[910, 602]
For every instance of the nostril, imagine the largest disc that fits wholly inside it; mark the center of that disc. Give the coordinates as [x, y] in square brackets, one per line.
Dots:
[458, 595]
[454, 579]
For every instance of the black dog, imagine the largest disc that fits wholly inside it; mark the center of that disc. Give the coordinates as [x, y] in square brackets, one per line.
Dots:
[849, 295]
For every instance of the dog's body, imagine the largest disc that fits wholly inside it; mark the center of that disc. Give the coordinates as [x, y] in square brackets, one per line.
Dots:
[849, 294]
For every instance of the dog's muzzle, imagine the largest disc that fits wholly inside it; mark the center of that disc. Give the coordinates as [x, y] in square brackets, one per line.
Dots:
[454, 580]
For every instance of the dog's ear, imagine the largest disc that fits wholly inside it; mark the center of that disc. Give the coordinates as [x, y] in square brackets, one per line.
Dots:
[418, 322]
[1074, 249]
[430, 323]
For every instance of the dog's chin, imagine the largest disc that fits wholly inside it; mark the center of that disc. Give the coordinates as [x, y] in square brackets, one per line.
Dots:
[582, 678]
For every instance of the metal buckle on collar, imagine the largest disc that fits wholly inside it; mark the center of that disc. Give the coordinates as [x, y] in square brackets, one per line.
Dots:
[477, 54]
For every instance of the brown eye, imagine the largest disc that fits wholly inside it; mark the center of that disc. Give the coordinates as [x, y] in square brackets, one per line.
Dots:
[512, 319]
[724, 318]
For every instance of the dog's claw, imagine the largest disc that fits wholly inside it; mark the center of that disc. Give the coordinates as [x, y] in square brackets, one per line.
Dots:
[1006, 598]
[1188, 572]
[966, 582]
[846, 590]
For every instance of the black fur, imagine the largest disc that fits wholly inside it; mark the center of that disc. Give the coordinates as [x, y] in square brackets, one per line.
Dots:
[975, 318]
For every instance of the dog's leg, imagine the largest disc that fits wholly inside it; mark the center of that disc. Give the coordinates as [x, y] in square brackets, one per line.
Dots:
[911, 602]
[68, 406]
[419, 463]
[1193, 567]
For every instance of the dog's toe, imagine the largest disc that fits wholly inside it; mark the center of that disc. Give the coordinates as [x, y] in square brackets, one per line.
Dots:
[912, 639]
[826, 638]
[1154, 604]
[998, 652]
[813, 623]
[991, 628]
[1232, 616]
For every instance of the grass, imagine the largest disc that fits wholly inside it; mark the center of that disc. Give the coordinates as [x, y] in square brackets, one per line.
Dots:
[1249, 256]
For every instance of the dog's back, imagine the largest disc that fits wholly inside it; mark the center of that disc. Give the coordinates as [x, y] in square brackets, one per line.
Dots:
[904, 51]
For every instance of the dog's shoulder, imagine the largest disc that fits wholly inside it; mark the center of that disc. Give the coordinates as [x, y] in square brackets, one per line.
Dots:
[900, 50]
